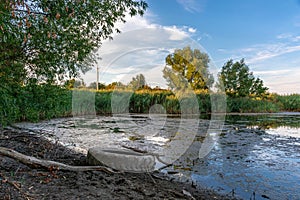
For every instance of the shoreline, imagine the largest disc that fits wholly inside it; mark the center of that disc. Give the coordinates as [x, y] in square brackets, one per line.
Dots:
[22, 182]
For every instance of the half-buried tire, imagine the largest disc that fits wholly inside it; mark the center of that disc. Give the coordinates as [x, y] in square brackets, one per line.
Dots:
[121, 159]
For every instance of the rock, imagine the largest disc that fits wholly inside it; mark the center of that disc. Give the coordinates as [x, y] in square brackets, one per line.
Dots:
[121, 159]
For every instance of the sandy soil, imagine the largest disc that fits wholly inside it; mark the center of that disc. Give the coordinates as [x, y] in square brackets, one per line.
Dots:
[18, 181]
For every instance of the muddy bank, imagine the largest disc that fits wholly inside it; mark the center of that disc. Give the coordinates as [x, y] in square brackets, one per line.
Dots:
[18, 181]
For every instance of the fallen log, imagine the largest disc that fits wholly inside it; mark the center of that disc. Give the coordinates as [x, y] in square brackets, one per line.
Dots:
[33, 161]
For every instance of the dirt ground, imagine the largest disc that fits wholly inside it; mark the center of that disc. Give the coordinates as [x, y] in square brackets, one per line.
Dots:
[18, 181]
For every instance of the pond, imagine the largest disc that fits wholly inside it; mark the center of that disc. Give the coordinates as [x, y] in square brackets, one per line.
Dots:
[256, 156]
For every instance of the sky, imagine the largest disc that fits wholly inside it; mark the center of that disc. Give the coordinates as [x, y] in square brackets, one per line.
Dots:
[266, 33]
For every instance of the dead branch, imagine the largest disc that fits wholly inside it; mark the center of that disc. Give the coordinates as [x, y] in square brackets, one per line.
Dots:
[33, 161]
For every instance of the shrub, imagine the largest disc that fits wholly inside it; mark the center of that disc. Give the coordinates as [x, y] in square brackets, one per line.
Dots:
[9, 111]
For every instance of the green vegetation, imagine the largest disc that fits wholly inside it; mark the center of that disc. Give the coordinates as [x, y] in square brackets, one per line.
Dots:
[34, 102]
[137, 82]
[54, 40]
[43, 43]
[288, 102]
[265, 121]
[188, 67]
[239, 82]
[37, 102]
[251, 105]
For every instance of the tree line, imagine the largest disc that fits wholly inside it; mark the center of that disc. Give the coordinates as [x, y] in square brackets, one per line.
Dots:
[137, 82]
[189, 68]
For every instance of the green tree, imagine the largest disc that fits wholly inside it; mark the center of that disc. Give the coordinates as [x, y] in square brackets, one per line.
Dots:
[93, 85]
[113, 85]
[186, 66]
[238, 81]
[137, 82]
[74, 83]
[54, 39]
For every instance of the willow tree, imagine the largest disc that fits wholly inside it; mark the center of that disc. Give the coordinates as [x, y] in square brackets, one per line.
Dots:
[54, 39]
[188, 68]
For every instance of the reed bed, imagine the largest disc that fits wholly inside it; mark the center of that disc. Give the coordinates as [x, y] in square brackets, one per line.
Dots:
[37, 102]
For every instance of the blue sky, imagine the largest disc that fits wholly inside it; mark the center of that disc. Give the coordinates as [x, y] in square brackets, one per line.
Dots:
[264, 32]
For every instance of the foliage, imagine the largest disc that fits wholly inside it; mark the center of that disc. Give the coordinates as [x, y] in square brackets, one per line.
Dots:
[36, 102]
[250, 105]
[74, 83]
[33, 103]
[9, 111]
[93, 85]
[103, 102]
[265, 121]
[114, 85]
[50, 40]
[239, 82]
[288, 102]
[43, 101]
[186, 67]
[83, 102]
[137, 82]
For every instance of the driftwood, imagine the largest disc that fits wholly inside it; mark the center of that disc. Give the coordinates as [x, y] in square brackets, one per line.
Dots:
[33, 161]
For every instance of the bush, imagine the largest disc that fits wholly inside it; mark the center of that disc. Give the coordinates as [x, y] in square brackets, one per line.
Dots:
[9, 111]
[288, 102]
[246, 104]
[103, 102]
[37, 102]
[33, 103]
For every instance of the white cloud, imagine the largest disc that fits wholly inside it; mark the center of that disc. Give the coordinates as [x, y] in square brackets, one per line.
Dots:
[192, 30]
[140, 48]
[136, 22]
[277, 64]
[273, 72]
[269, 51]
[284, 36]
[289, 37]
[286, 44]
[263, 52]
[176, 33]
[192, 5]
[282, 81]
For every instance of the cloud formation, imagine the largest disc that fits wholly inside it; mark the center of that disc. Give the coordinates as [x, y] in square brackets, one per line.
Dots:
[277, 63]
[192, 5]
[140, 48]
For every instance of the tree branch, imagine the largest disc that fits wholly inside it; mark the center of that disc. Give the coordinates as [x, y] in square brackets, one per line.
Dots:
[34, 12]
[32, 161]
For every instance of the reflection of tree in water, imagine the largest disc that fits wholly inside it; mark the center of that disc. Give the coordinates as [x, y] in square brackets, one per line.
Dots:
[234, 147]
[265, 121]
[246, 160]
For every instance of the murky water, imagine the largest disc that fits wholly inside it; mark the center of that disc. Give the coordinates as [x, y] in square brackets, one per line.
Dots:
[255, 157]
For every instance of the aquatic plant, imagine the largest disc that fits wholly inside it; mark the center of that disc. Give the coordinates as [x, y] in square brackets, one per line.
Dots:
[44, 101]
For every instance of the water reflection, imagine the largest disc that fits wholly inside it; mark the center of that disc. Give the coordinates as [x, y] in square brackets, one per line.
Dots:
[266, 121]
[256, 157]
